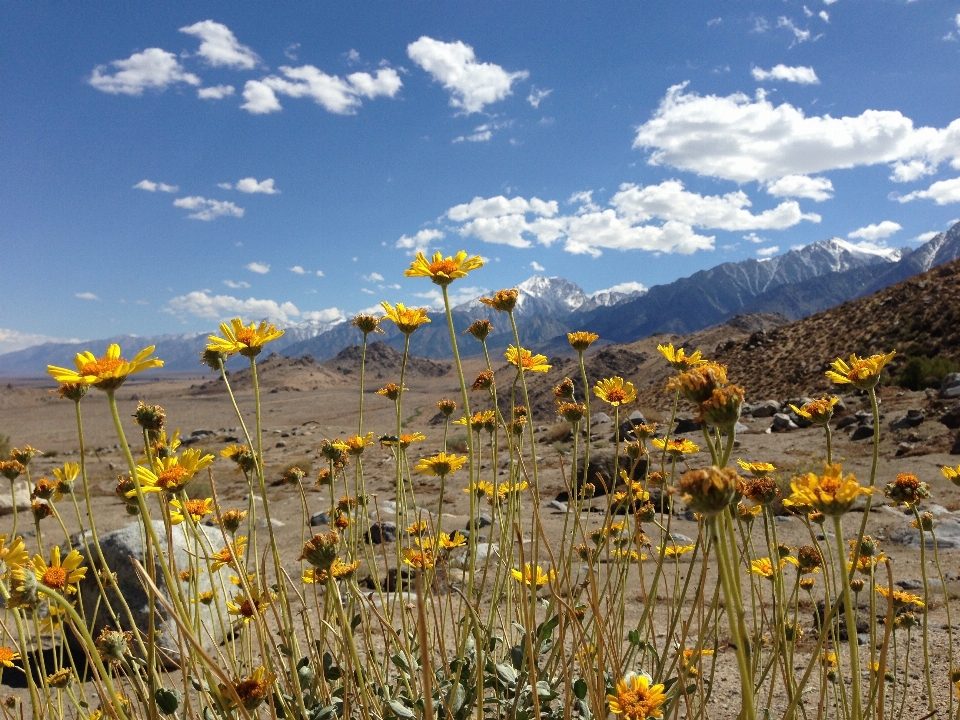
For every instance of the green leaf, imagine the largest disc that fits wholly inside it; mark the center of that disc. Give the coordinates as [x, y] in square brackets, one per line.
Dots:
[634, 638]
[580, 688]
[401, 710]
[285, 650]
[507, 674]
[167, 700]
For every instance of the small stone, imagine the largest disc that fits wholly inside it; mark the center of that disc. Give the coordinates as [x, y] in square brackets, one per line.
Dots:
[262, 523]
[557, 505]
[950, 387]
[768, 408]
[951, 418]
[686, 425]
[783, 423]
[636, 417]
[320, 518]
[280, 444]
[600, 417]
[22, 495]
[382, 532]
[912, 419]
[862, 432]
[905, 447]
[482, 520]
[846, 421]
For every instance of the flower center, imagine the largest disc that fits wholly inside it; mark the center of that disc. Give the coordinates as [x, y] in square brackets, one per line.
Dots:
[101, 367]
[616, 395]
[55, 577]
[196, 507]
[246, 336]
[445, 267]
[172, 477]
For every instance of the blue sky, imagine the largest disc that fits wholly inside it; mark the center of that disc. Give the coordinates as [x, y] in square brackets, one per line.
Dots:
[170, 164]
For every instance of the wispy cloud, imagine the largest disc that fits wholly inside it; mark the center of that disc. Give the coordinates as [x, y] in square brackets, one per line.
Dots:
[420, 242]
[537, 95]
[86, 296]
[151, 186]
[768, 251]
[373, 277]
[236, 285]
[215, 307]
[13, 340]
[208, 209]
[215, 92]
[259, 268]
[537, 266]
[800, 74]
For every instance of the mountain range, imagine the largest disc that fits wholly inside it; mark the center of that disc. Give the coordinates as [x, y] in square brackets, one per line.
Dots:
[796, 284]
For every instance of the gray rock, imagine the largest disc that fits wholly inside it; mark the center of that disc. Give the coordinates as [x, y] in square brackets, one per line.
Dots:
[262, 523]
[768, 408]
[917, 583]
[280, 444]
[119, 548]
[680, 539]
[912, 419]
[782, 423]
[951, 418]
[740, 428]
[21, 495]
[600, 417]
[905, 447]
[950, 387]
[202, 433]
[862, 432]
[955, 450]
[601, 473]
[482, 520]
[686, 425]
[947, 532]
[846, 421]
[382, 532]
[557, 505]
[636, 417]
[320, 518]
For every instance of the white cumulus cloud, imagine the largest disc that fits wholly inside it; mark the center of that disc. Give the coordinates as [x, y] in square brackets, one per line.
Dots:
[925, 237]
[373, 277]
[154, 69]
[624, 287]
[207, 209]
[942, 192]
[768, 251]
[817, 189]
[86, 296]
[258, 267]
[217, 307]
[420, 242]
[151, 186]
[297, 270]
[13, 340]
[220, 47]
[876, 231]
[335, 94]
[742, 139]
[250, 185]
[799, 74]
[472, 85]
[458, 296]
[216, 92]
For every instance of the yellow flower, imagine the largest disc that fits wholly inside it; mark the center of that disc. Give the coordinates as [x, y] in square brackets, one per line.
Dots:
[901, 598]
[951, 474]
[356, 444]
[440, 464]
[636, 699]
[247, 608]
[66, 476]
[198, 509]
[615, 391]
[698, 383]
[817, 411]
[526, 360]
[171, 474]
[679, 359]
[689, 664]
[676, 448]
[108, 372]
[406, 319]
[419, 559]
[404, 441]
[225, 555]
[677, 550]
[481, 487]
[862, 373]
[7, 656]
[13, 555]
[581, 340]
[757, 469]
[764, 567]
[443, 271]
[502, 300]
[482, 420]
[252, 690]
[62, 577]
[448, 542]
[830, 493]
[533, 575]
[239, 338]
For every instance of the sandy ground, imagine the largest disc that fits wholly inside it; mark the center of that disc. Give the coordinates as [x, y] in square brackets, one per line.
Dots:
[295, 423]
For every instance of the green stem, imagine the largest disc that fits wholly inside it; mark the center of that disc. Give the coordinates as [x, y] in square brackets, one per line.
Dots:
[851, 621]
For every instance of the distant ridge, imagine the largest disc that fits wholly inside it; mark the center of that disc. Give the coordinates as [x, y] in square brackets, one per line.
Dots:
[796, 284]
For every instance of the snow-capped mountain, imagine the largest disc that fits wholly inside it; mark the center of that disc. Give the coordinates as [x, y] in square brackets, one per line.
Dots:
[556, 297]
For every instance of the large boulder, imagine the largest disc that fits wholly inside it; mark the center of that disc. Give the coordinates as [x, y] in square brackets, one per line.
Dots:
[602, 470]
[120, 548]
[19, 494]
[950, 387]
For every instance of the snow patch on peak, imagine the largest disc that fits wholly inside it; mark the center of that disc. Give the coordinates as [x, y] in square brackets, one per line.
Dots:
[624, 288]
[864, 247]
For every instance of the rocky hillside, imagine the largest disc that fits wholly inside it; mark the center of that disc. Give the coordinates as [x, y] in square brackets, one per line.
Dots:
[919, 316]
[383, 361]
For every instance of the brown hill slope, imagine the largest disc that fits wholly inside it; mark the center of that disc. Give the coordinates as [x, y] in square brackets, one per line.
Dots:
[276, 373]
[919, 316]
[383, 361]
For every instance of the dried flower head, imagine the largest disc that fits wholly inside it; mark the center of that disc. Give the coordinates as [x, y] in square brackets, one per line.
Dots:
[484, 380]
[24, 455]
[907, 489]
[761, 490]
[572, 412]
[809, 559]
[72, 391]
[150, 417]
[480, 329]
[321, 550]
[391, 391]
[114, 645]
[710, 490]
[502, 300]
[698, 383]
[563, 391]
[722, 408]
[11, 469]
[253, 689]
[446, 407]
[367, 324]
